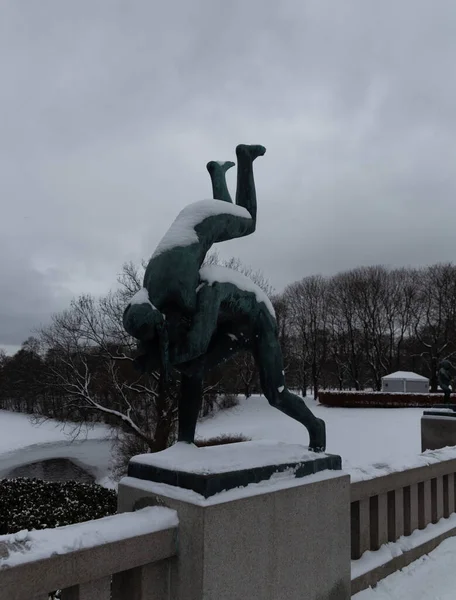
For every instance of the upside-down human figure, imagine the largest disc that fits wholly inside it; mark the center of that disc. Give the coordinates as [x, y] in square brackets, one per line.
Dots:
[194, 317]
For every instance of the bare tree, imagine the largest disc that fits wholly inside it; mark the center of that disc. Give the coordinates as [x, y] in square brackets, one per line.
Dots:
[338, 340]
[347, 335]
[371, 298]
[399, 306]
[307, 302]
[434, 316]
[94, 371]
[90, 360]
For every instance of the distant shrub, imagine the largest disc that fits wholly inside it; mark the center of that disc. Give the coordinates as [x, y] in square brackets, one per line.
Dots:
[127, 446]
[36, 504]
[226, 401]
[209, 403]
[379, 399]
[220, 440]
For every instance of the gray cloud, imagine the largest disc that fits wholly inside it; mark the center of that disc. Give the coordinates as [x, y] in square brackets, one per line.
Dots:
[110, 111]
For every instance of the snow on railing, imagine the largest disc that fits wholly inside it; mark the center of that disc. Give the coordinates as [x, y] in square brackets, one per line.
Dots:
[104, 558]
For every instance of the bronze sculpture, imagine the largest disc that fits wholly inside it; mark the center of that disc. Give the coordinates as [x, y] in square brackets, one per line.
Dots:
[192, 318]
[445, 377]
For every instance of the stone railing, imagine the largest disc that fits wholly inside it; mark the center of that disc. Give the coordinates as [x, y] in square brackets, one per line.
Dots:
[118, 557]
[390, 506]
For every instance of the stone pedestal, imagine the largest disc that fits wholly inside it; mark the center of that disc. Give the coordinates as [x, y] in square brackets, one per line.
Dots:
[284, 538]
[438, 428]
[215, 469]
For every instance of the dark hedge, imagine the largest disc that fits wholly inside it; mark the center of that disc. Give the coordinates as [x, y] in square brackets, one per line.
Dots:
[36, 504]
[379, 399]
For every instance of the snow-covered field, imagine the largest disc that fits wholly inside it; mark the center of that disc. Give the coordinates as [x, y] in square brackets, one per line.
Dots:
[23, 442]
[371, 441]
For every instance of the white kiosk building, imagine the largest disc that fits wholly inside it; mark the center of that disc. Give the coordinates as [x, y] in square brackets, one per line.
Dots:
[405, 382]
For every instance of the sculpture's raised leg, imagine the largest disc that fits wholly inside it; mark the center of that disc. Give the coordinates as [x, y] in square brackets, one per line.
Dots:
[245, 189]
[217, 171]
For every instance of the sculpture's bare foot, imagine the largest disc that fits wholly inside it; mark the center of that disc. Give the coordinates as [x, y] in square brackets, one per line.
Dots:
[250, 151]
[317, 442]
[213, 165]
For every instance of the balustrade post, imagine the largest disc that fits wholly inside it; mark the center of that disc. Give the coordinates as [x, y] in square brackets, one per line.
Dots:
[395, 514]
[99, 589]
[437, 499]
[149, 582]
[425, 504]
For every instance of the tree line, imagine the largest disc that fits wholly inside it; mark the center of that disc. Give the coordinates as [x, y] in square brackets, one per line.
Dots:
[345, 332]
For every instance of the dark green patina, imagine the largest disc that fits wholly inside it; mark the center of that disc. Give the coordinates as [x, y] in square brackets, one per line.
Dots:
[192, 324]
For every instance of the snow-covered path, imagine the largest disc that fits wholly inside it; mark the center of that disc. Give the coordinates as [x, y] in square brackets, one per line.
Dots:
[431, 577]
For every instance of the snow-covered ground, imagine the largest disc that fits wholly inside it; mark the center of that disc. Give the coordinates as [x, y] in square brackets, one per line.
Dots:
[23, 442]
[431, 577]
[371, 441]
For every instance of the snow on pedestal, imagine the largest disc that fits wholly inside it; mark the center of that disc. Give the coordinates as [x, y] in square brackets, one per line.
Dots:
[226, 457]
[210, 470]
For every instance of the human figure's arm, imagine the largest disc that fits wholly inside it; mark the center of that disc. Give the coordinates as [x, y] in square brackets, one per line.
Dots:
[202, 327]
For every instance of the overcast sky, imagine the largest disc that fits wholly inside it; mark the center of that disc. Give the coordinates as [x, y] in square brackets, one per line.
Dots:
[110, 110]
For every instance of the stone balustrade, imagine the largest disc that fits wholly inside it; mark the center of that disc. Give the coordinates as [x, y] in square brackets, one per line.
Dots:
[141, 562]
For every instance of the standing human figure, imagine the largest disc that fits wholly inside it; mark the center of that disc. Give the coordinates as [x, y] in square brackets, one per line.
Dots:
[445, 376]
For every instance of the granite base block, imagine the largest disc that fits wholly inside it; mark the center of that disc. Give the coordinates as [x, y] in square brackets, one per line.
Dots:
[286, 540]
[441, 408]
[438, 429]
